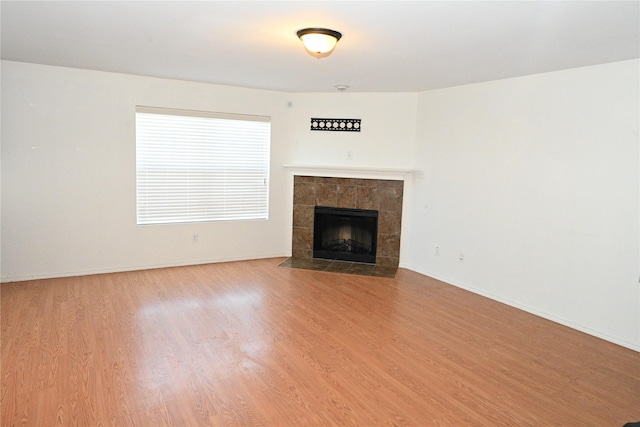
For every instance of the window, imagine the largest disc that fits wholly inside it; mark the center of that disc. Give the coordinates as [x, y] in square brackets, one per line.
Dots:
[194, 166]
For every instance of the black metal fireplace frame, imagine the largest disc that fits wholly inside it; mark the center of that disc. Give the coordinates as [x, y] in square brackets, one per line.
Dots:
[318, 251]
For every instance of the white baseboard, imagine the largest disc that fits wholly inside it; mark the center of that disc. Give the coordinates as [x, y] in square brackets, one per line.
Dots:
[135, 268]
[530, 310]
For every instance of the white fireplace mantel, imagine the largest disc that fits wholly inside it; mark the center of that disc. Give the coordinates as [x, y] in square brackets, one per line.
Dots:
[350, 172]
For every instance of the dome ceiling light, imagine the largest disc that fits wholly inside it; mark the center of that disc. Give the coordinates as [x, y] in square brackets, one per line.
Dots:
[319, 42]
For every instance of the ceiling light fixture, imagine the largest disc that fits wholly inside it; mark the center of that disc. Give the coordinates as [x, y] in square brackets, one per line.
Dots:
[319, 42]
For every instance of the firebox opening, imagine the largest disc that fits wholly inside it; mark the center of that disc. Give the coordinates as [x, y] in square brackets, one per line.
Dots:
[345, 234]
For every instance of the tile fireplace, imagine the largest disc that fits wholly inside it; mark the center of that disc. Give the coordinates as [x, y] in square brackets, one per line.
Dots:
[381, 195]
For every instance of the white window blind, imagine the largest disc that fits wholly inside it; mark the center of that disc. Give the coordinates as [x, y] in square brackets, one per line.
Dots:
[197, 166]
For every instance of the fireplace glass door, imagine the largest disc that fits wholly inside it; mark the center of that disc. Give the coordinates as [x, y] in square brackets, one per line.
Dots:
[345, 234]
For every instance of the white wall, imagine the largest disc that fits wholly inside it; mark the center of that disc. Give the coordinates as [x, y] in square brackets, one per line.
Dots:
[385, 141]
[68, 167]
[535, 180]
[68, 174]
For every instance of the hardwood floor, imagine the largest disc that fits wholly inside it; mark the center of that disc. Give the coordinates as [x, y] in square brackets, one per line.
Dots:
[251, 343]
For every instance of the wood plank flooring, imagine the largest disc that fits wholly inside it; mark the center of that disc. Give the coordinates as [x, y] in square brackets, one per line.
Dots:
[254, 344]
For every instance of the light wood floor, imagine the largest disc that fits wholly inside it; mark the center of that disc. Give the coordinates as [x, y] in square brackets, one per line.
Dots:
[251, 343]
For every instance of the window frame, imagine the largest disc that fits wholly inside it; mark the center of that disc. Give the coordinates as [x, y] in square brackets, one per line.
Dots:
[202, 177]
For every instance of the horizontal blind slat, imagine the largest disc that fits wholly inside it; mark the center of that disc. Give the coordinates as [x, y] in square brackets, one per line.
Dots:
[200, 167]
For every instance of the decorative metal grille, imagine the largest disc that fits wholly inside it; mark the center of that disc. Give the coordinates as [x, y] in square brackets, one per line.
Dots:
[336, 125]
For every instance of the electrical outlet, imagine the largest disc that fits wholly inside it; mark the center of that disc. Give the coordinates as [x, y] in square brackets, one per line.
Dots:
[349, 155]
[461, 259]
[194, 238]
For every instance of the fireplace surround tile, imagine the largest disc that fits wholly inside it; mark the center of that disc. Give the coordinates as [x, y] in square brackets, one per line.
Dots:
[303, 216]
[388, 245]
[367, 197]
[326, 194]
[304, 193]
[346, 196]
[390, 199]
[388, 223]
[302, 244]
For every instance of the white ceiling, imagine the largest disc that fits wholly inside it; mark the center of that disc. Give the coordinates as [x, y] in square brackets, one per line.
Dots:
[389, 46]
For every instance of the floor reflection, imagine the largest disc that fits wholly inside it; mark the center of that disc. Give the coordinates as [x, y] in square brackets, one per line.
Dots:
[218, 335]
